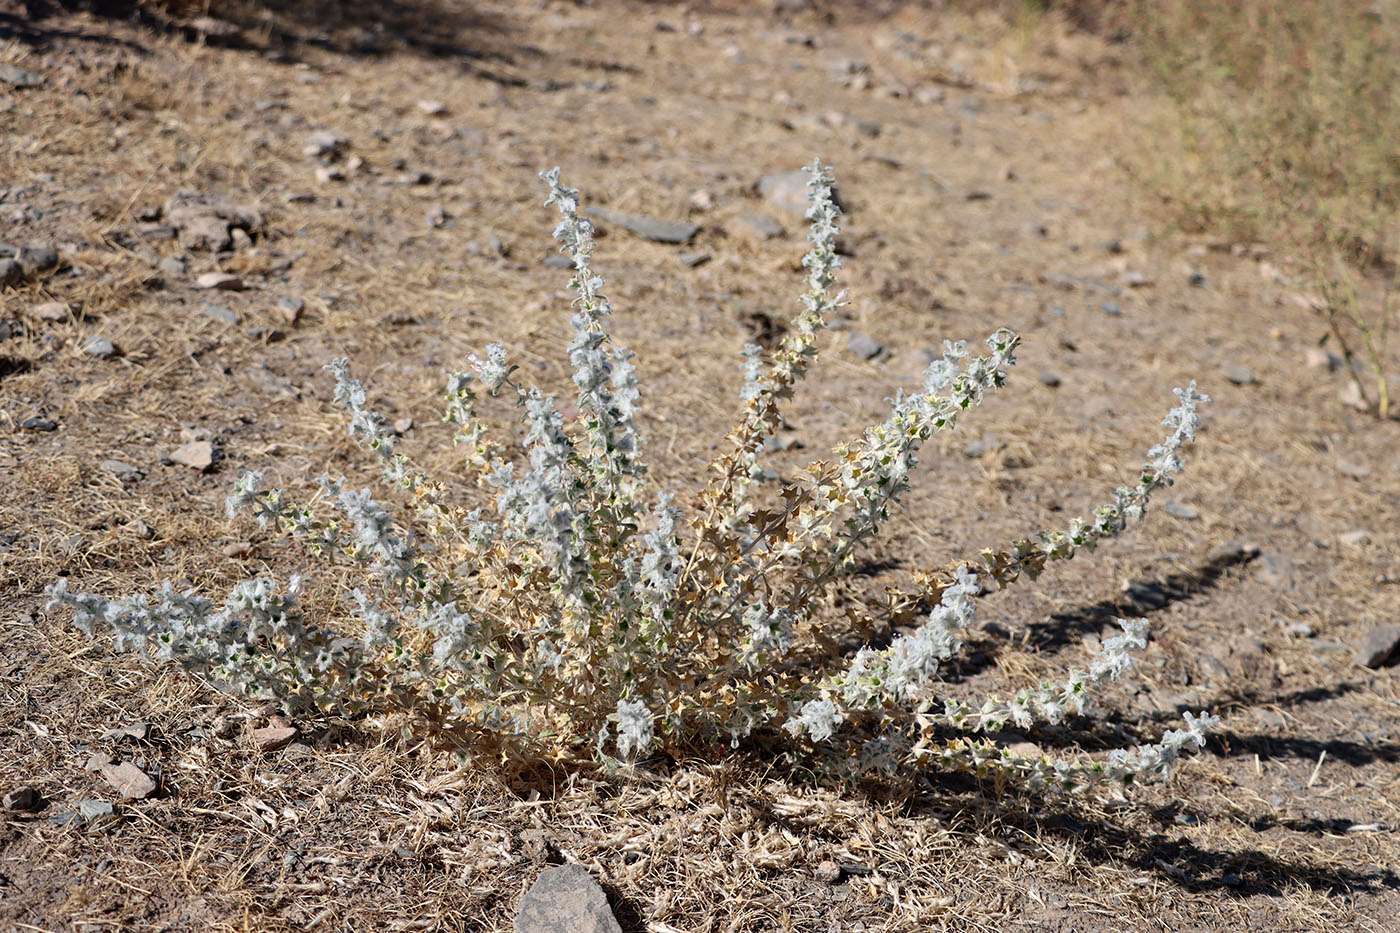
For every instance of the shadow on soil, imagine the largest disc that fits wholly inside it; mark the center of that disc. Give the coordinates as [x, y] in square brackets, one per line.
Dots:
[432, 28]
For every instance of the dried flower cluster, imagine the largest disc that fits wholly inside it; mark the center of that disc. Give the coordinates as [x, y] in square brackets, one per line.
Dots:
[574, 615]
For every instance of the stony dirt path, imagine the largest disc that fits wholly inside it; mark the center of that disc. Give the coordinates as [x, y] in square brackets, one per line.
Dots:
[189, 230]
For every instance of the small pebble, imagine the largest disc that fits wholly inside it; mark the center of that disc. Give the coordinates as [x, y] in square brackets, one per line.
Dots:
[863, 345]
[1238, 373]
[52, 311]
[219, 313]
[121, 469]
[100, 347]
[1050, 379]
[220, 280]
[1178, 510]
[1112, 308]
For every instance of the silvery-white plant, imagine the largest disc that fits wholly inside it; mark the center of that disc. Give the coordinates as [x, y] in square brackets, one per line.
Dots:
[578, 612]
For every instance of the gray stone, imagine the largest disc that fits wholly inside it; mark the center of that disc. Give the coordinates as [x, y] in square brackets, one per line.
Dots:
[197, 455]
[1238, 373]
[756, 227]
[787, 191]
[1050, 379]
[558, 262]
[100, 347]
[565, 900]
[662, 231]
[94, 809]
[863, 345]
[290, 309]
[1178, 510]
[204, 223]
[37, 258]
[1112, 308]
[219, 313]
[121, 469]
[9, 271]
[38, 424]
[693, 259]
[175, 268]
[1379, 647]
[15, 76]
[52, 311]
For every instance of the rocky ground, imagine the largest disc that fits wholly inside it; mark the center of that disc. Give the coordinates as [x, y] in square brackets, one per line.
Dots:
[196, 216]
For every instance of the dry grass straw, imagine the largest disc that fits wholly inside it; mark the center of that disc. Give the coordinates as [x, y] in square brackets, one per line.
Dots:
[350, 827]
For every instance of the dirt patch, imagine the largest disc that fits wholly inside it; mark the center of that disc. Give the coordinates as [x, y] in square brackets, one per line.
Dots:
[981, 191]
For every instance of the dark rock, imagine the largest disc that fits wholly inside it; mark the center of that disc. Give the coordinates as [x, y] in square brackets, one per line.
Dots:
[565, 900]
[662, 231]
[38, 424]
[37, 258]
[1380, 646]
[9, 272]
[23, 798]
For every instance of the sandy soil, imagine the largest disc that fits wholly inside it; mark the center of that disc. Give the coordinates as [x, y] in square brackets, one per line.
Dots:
[983, 172]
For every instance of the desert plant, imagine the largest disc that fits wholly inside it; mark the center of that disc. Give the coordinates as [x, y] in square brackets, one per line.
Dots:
[578, 617]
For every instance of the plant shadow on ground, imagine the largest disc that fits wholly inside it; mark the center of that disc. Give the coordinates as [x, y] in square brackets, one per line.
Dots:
[429, 28]
[974, 807]
[30, 31]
